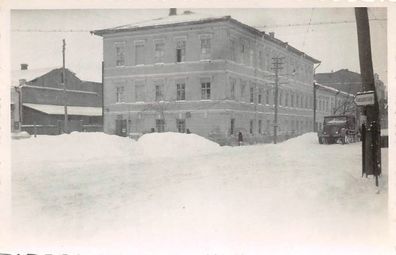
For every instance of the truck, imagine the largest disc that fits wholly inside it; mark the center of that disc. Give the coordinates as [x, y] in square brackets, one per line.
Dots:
[339, 129]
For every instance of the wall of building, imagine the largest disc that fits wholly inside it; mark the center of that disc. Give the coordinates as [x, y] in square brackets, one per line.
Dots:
[250, 67]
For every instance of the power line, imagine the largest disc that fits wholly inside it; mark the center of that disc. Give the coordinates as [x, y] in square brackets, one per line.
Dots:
[259, 27]
[316, 23]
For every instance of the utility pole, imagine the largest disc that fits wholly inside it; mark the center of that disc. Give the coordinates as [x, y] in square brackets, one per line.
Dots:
[371, 146]
[315, 87]
[65, 124]
[277, 66]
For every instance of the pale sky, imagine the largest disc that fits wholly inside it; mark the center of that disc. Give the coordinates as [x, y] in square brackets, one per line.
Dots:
[335, 44]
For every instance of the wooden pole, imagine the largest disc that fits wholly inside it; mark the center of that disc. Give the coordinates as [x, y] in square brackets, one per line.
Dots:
[372, 148]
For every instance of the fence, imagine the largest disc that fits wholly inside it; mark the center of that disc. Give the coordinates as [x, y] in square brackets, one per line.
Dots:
[58, 129]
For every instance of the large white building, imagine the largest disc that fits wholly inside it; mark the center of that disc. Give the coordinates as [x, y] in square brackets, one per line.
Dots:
[210, 75]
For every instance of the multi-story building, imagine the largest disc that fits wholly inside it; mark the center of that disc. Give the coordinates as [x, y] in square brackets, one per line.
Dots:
[38, 99]
[351, 83]
[331, 101]
[211, 76]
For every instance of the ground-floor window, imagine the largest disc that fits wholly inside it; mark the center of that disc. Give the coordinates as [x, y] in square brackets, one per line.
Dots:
[232, 127]
[251, 127]
[260, 127]
[160, 125]
[181, 125]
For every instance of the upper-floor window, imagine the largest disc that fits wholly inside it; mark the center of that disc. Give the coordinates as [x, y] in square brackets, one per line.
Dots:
[205, 47]
[159, 49]
[243, 87]
[280, 97]
[287, 99]
[251, 94]
[120, 94]
[120, 54]
[205, 89]
[233, 50]
[159, 91]
[267, 96]
[251, 57]
[232, 88]
[259, 96]
[139, 53]
[180, 90]
[180, 50]
[291, 100]
[260, 60]
[140, 91]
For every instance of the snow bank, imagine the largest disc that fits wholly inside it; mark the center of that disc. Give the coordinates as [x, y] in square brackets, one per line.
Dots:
[20, 135]
[175, 145]
[72, 147]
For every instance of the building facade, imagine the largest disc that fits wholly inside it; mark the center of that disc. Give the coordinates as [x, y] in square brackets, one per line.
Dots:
[210, 75]
[38, 103]
[351, 83]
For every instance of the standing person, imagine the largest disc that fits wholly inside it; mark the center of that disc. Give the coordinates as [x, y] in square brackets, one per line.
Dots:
[240, 139]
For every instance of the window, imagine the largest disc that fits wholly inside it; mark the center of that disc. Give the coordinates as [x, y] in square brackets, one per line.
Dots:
[267, 96]
[139, 92]
[159, 90]
[160, 125]
[233, 49]
[251, 94]
[205, 47]
[280, 97]
[180, 90]
[232, 126]
[297, 101]
[251, 127]
[139, 54]
[181, 125]
[243, 86]
[260, 130]
[268, 126]
[159, 52]
[251, 55]
[259, 96]
[232, 88]
[291, 100]
[120, 54]
[120, 94]
[287, 99]
[180, 51]
[260, 60]
[205, 89]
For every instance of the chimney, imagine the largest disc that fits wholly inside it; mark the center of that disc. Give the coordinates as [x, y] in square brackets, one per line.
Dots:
[172, 11]
[272, 34]
[24, 66]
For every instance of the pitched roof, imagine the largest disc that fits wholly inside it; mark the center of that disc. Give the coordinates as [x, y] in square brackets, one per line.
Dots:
[191, 18]
[28, 75]
[345, 80]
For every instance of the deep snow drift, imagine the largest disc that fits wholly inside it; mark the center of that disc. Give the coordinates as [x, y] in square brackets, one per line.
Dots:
[182, 194]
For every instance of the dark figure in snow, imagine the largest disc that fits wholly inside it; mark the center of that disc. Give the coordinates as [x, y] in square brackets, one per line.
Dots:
[152, 130]
[240, 139]
[188, 131]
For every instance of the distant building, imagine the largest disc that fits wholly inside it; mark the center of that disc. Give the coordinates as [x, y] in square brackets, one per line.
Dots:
[37, 102]
[210, 75]
[351, 82]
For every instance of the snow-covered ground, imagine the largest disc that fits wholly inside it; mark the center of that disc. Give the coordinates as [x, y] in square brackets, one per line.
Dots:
[181, 194]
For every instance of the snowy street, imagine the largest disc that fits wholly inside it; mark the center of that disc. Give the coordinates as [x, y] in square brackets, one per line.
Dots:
[181, 194]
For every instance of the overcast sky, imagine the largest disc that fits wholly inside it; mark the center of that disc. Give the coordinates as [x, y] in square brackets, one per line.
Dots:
[326, 39]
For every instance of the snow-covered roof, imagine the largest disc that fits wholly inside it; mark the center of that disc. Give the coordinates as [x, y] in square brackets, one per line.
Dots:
[71, 110]
[334, 90]
[163, 21]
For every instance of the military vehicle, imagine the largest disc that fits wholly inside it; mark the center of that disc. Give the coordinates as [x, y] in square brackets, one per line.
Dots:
[339, 129]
